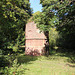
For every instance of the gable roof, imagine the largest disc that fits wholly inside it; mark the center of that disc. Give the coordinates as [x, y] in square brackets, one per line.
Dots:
[32, 32]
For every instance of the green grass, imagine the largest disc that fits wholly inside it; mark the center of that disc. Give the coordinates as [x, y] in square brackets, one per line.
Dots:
[42, 65]
[56, 64]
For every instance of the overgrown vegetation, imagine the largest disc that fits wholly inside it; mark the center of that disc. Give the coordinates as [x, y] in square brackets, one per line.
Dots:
[57, 63]
[57, 19]
[13, 17]
[59, 15]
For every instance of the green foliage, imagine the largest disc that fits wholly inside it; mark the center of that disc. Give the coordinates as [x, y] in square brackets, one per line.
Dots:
[46, 22]
[14, 70]
[67, 27]
[33, 65]
[34, 16]
[13, 17]
[3, 61]
[7, 60]
[59, 15]
[53, 36]
[15, 48]
[12, 64]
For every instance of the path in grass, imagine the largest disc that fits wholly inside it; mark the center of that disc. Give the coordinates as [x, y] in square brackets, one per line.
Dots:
[52, 65]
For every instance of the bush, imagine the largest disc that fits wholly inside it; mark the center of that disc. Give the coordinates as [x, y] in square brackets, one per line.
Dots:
[14, 70]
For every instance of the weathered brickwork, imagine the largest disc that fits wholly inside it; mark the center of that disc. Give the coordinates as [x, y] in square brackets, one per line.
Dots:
[35, 40]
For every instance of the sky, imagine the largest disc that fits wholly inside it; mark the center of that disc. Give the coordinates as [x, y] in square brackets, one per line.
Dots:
[35, 4]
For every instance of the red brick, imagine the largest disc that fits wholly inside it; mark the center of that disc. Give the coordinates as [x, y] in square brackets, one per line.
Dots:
[34, 44]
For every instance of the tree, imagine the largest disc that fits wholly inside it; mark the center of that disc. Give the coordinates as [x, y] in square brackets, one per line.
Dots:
[67, 26]
[13, 17]
[58, 14]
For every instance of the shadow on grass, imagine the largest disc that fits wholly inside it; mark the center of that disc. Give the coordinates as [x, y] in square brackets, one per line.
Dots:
[63, 53]
[70, 65]
[70, 54]
[71, 59]
[26, 59]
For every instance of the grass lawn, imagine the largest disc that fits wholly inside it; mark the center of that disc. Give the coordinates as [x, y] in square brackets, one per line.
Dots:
[58, 64]
[55, 64]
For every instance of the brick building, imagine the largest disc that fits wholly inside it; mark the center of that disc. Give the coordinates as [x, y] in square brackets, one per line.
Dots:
[34, 40]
